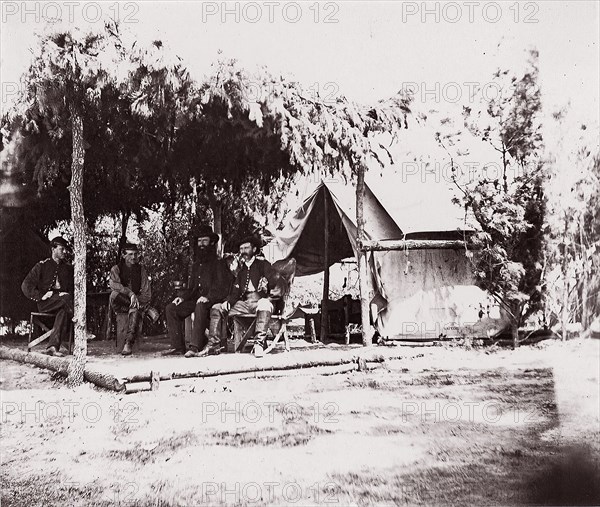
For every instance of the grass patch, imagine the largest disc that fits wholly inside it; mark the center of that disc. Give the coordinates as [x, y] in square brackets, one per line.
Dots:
[148, 453]
[269, 437]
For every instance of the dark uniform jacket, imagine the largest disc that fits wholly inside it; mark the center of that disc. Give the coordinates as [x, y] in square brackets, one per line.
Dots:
[258, 269]
[42, 276]
[211, 279]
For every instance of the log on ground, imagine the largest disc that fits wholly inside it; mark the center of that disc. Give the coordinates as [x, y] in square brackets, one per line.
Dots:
[60, 365]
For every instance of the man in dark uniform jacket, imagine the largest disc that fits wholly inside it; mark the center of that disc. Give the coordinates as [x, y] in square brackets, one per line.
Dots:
[249, 294]
[208, 284]
[50, 284]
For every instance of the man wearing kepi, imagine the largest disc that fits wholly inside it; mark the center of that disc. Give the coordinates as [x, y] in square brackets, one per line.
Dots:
[249, 294]
[50, 284]
[208, 284]
[130, 292]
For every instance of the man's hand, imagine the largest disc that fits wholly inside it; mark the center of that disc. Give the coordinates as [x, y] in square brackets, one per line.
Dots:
[202, 299]
[263, 283]
[47, 295]
[177, 301]
[135, 303]
[225, 305]
[63, 293]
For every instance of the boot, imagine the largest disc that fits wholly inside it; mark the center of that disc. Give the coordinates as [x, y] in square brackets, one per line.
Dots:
[132, 330]
[209, 350]
[263, 319]
[51, 351]
[126, 349]
[213, 347]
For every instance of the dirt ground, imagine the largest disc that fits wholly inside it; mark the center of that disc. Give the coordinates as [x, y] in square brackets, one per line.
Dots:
[450, 426]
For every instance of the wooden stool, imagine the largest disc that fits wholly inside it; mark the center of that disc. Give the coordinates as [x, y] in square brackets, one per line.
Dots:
[35, 319]
[244, 327]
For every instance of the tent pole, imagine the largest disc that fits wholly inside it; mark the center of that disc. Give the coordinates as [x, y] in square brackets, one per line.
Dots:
[364, 277]
[325, 301]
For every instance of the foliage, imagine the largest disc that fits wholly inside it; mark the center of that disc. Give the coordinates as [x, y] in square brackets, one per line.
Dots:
[165, 252]
[126, 153]
[509, 208]
[574, 223]
[277, 132]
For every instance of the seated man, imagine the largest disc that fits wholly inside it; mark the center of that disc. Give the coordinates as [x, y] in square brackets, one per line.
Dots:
[130, 292]
[249, 294]
[208, 284]
[50, 284]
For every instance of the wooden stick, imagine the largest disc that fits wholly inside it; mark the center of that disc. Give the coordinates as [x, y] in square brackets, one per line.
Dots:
[313, 331]
[364, 277]
[39, 339]
[376, 358]
[325, 300]
[411, 244]
[137, 387]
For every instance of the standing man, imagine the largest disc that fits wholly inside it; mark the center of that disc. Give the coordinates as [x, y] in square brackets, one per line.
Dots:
[248, 294]
[131, 292]
[50, 284]
[208, 284]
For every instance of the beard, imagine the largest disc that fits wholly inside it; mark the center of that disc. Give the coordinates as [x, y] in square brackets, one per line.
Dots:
[206, 253]
[247, 256]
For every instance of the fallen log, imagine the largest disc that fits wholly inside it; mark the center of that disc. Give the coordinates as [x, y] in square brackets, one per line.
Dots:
[357, 362]
[411, 244]
[56, 364]
[237, 371]
[60, 365]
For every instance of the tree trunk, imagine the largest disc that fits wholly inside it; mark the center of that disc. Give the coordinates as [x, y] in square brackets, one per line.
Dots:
[364, 277]
[504, 167]
[585, 307]
[324, 333]
[77, 364]
[564, 267]
[123, 239]
[217, 210]
[514, 327]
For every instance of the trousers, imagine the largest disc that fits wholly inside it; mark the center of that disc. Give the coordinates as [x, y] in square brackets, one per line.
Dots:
[176, 314]
[62, 307]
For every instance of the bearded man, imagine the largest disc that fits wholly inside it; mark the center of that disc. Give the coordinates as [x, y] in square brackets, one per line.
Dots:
[208, 284]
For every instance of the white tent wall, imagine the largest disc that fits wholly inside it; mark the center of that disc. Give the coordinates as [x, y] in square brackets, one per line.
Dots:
[431, 293]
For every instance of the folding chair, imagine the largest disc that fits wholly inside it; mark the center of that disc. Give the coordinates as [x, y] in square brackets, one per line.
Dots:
[36, 319]
[284, 272]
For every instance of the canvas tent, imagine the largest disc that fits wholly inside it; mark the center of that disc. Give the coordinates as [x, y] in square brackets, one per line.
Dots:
[419, 294]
